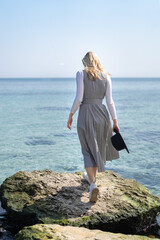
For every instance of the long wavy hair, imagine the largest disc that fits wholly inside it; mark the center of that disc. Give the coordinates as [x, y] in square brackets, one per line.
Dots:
[93, 66]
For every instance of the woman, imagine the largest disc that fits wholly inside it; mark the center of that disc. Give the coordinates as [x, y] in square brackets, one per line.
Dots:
[93, 124]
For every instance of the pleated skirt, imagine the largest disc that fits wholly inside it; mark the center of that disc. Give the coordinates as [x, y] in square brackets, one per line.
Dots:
[94, 130]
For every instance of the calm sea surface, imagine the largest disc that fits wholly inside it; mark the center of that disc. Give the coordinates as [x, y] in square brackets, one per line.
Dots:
[34, 133]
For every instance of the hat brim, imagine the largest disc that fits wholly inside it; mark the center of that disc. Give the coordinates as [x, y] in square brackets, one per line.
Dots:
[117, 132]
[124, 142]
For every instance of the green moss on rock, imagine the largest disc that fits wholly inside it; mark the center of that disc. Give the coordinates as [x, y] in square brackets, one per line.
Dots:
[46, 196]
[58, 232]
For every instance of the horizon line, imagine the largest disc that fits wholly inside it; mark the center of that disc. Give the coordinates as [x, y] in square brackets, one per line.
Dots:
[66, 77]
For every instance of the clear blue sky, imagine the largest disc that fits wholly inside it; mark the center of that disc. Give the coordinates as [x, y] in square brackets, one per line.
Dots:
[48, 38]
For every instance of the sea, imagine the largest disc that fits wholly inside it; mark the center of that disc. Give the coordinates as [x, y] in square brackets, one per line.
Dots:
[34, 134]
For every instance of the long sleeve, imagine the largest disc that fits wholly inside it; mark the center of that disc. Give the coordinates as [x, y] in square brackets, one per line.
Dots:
[109, 99]
[79, 93]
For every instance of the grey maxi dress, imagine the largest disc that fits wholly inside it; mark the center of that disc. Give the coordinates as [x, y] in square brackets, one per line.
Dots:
[94, 126]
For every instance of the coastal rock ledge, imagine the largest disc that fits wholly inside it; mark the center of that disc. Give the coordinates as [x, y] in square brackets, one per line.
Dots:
[48, 197]
[58, 232]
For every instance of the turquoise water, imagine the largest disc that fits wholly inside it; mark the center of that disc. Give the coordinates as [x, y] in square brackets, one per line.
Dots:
[34, 133]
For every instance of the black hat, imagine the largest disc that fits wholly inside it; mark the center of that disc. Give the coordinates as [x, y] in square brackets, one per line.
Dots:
[117, 141]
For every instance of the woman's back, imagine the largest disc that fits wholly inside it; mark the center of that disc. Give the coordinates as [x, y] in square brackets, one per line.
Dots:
[94, 89]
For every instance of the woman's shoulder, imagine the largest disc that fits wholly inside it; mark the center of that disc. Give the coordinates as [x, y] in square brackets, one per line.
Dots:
[79, 74]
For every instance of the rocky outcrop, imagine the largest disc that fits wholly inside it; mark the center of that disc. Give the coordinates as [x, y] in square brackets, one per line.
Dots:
[124, 205]
[58, 232]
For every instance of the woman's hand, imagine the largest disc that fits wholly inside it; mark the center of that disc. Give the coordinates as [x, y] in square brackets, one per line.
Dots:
[115, 125]
[70, 120]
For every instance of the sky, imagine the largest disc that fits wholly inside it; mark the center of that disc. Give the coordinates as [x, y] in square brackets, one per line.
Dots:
[49, 38]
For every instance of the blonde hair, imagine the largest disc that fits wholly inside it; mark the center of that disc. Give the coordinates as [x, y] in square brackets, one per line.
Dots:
[93, 65]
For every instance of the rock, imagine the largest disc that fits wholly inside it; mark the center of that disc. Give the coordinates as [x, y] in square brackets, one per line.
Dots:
[124, 205]
[58, 232]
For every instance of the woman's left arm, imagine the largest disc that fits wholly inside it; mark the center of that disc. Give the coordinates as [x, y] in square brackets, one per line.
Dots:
[78, 97]
[110, 103]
